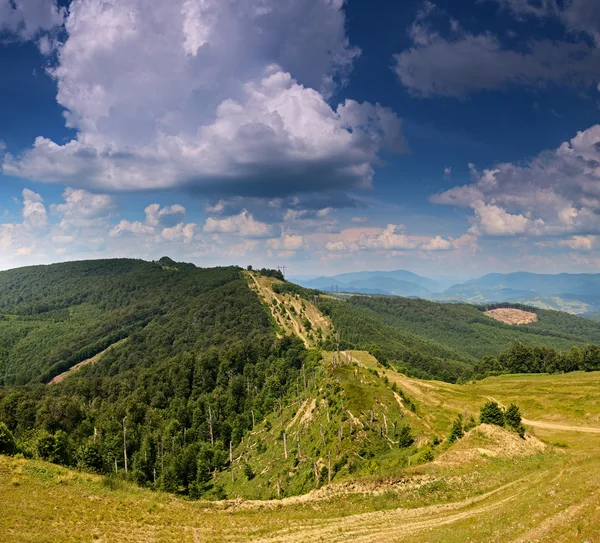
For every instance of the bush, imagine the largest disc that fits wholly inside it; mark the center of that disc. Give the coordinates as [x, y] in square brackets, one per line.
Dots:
[491, 413]
[248, 472]
[89, 458]
[457, 430]
[512, 416]
[405, 437]
[7, 441]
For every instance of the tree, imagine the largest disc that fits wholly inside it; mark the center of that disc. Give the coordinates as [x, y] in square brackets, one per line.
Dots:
[512, 416]
[491, 413]
[89, 457]
[405, 438]
[7, 441]
[457, 430]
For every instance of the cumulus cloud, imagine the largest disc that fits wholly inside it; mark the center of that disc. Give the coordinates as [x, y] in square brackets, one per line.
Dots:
[161, 224]
[82, 208]
[34, 210]
[243, 224]
[238, 100]
[21, 238]
[287, 242]
[461, 62]
[438, 243]
[27, 18]
[392, 238]
[556, 193]
[579, 243]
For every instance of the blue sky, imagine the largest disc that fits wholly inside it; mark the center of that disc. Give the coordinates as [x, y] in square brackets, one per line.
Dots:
[441, 137]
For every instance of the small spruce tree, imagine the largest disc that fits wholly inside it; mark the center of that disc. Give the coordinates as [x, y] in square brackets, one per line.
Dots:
[405, 437]
[512, 416]
[491, 413]
[457, 430]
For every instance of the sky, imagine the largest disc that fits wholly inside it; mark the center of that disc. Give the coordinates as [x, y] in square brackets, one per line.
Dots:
[445, 138]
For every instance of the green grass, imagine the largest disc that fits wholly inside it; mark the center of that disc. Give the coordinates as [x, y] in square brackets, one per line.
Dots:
[543, 497]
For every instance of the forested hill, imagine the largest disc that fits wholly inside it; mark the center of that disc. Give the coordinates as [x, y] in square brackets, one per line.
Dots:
[443, 341]
[57, 316]
[189, 360]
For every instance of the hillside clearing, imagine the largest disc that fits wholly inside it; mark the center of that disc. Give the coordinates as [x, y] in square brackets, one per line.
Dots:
[511, 316]
[59, 378]
[292, 314]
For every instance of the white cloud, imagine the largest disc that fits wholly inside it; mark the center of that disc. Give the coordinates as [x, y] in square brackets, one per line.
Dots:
[437, 244]
[161, 224]
[341, 246]
[224, 114]
[492, 220]
[82, 208]
[166, 216]
[34, 211]
[62, 240]
[287, 242]
[391, 237]
[243, 224]
[556, 193]
[27, 18]
[447, 173]
[358, 220]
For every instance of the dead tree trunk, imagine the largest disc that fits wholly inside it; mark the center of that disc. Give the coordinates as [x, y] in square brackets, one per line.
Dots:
[125, 442]
[285, 446]
[210, 426]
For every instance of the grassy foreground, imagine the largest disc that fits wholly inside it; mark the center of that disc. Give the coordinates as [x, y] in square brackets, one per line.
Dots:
[550, 496]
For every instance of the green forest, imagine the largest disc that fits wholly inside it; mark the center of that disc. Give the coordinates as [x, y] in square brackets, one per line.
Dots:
[191, 360]
[444, 341]
[199, 364]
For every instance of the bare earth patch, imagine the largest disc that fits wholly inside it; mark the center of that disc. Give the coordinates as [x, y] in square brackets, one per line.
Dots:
[487, 440]
[511, 316]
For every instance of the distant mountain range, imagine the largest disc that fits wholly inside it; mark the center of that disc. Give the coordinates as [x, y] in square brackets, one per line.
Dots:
[398, 283]
[574, 293]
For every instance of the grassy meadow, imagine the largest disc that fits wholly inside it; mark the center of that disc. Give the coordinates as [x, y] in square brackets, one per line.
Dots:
[478, 489]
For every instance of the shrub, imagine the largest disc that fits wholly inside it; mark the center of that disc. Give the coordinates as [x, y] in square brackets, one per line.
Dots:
[491, 413]
[248, 472]
[457, 430]
[7, 441]
[512, 416]
[405, 437]
[89, 457]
